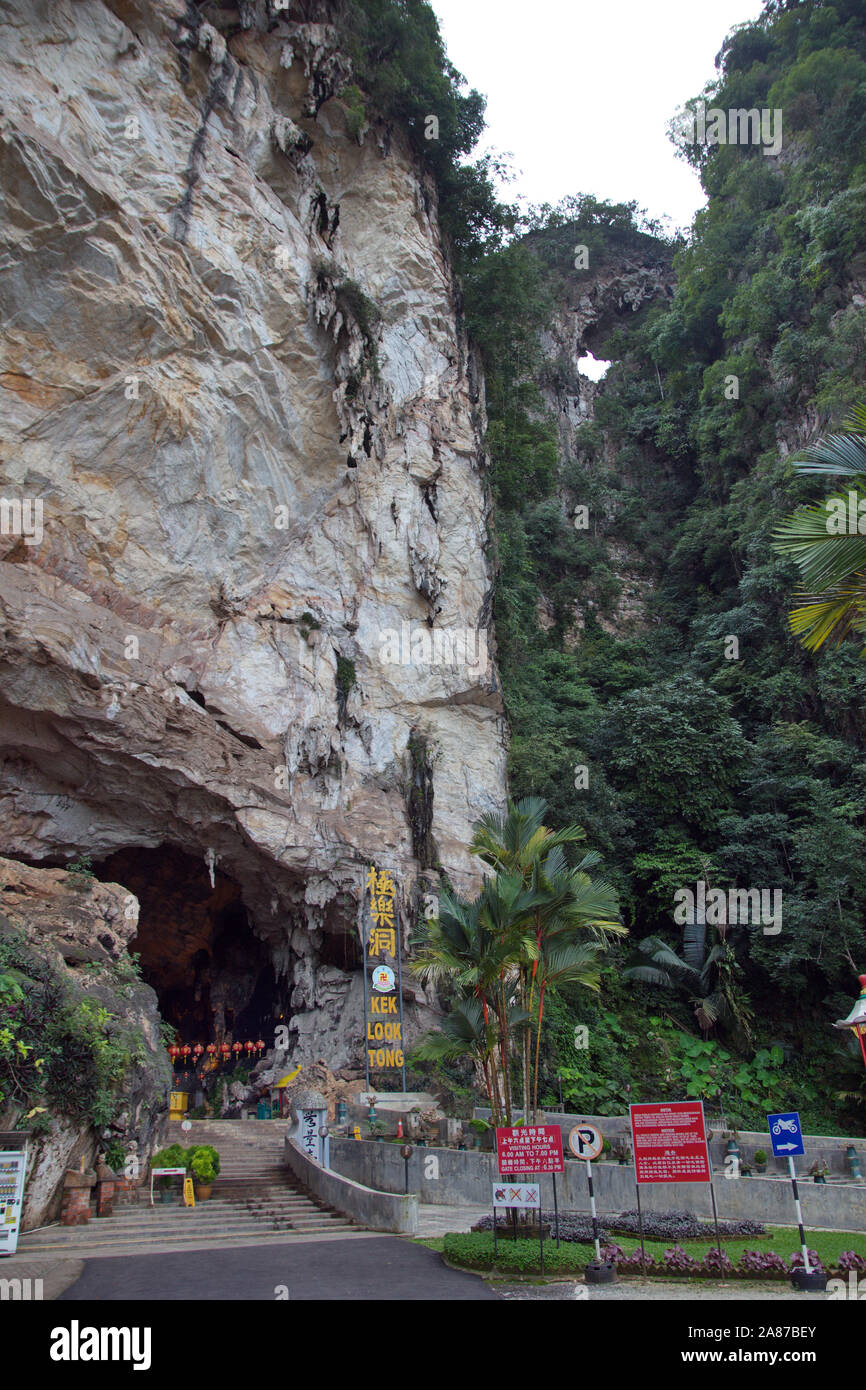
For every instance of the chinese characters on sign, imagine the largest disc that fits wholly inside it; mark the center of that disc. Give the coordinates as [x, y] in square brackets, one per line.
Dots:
[533, 1149]
[383, 999]
[310, 1133]
[670, 1142]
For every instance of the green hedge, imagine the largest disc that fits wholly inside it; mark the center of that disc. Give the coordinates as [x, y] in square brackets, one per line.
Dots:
[475, 1250]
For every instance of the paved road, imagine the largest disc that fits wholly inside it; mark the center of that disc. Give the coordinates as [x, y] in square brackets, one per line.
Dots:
[383, 1268]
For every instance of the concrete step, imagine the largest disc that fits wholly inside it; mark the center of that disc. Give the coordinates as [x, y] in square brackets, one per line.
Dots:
[190, 1240]
[68, 1237]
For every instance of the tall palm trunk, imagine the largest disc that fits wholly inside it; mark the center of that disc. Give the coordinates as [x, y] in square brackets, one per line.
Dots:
[537, 1050]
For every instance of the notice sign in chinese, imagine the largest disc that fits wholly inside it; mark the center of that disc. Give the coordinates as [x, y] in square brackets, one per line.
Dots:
[670, 1142]
[384, 1001]
[530, 1149]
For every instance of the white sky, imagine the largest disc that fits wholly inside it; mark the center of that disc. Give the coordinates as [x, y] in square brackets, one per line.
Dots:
[581, 91]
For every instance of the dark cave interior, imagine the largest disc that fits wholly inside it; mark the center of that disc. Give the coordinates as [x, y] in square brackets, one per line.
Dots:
[213, 977]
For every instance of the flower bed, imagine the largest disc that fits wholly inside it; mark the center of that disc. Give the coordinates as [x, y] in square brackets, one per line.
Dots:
[474, 1250]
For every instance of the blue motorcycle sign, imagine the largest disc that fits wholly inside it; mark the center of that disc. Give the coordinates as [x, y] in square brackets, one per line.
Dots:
[786, 1134]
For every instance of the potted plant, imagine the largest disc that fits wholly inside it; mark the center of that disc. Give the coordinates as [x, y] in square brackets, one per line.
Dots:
[172, 1157]
[202, 1159]
[760, 1160]
[204, 1173]
[622, 1150]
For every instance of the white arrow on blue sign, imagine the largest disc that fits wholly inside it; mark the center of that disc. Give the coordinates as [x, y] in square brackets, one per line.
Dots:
[786, 1134]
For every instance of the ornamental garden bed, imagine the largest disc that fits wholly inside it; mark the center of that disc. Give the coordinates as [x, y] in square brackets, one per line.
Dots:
[834, 1254]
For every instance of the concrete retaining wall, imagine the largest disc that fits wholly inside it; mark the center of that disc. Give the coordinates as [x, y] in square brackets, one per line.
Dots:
[387, 1209]
[467, 1178]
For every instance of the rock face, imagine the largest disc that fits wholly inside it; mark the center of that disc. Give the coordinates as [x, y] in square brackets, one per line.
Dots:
[80, 929]
[234, 384]
[595, 301]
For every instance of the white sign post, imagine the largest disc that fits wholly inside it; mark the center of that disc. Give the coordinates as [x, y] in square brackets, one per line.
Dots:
[586, 1142]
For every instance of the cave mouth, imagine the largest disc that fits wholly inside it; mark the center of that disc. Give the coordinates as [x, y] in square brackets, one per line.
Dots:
[213, 977]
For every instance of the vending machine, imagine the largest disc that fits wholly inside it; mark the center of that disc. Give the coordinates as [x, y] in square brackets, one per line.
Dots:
[13, 1167]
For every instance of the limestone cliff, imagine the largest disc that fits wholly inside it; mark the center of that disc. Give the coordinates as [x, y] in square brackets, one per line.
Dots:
[234, 379]
[67, 936]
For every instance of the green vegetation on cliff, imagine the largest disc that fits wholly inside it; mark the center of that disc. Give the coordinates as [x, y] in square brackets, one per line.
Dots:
[736, 763]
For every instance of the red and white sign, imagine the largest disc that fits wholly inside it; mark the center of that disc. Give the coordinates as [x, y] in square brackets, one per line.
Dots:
[533, 1149]
[670, 1142]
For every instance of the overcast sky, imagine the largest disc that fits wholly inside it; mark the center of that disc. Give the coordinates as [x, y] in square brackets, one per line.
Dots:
[581, 91]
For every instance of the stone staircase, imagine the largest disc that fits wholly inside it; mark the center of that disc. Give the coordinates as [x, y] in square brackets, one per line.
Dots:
[254, 1198]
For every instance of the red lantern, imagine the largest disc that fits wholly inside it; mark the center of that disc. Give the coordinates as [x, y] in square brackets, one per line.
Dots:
[211, 1049]
[237, 1047]
[260, 1047]
[173, 1050]
[249, 1047]
[186, 1050]
[225, 1049]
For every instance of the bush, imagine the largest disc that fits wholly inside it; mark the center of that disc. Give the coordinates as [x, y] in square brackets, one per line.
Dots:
[204, 1152]
[202, 1168]
[679, 1225]
[172, 1157]
[475, 1251]
[764, 1263]
[573, 1226]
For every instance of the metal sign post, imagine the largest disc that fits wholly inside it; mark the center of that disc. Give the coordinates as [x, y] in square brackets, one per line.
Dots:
[669, 1142]
[786, 1138]
[586, 1142]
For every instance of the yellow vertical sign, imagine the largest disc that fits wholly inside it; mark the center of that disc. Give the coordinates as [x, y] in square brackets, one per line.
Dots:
[188, 1192]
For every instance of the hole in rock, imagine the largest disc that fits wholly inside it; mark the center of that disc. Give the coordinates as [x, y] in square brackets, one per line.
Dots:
[594, 367]
[213, 977]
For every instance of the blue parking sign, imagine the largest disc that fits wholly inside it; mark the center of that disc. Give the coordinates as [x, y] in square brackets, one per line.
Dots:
[786, 1134]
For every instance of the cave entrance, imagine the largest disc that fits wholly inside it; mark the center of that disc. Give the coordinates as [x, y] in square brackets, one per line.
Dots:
[213, 977]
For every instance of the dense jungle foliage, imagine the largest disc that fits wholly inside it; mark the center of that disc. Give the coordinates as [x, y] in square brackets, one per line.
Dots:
[741, 765]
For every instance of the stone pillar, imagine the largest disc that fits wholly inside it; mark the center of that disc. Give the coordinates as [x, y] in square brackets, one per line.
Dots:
[75, 1208]
[106, 1181]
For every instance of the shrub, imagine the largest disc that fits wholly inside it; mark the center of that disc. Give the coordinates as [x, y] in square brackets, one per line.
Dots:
[762, 1262]
[677, 1261]
[815, 1260]
[679, 1225]
[172, 1157]
[716, 1263]
[202, 1168]
[849, 1259]
[475, 1251]
[203, 1151]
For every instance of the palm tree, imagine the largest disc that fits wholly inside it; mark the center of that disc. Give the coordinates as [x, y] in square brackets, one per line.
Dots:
[832, 562]
[710, 976]
[574, 903]
[519, 938]
[477, 947]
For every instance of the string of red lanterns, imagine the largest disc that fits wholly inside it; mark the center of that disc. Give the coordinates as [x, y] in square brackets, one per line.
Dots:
[196, 1050]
